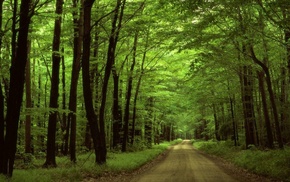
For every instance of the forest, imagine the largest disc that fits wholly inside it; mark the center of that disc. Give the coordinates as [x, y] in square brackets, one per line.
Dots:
[123, 75]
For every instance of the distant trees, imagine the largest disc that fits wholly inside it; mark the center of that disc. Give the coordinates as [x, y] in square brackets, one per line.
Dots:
[248, 41]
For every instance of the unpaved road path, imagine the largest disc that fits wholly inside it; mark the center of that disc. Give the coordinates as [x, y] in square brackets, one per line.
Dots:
[184, 164]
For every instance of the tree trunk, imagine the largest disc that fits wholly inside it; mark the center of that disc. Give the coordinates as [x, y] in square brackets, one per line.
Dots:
[283, 102]
[110, 62]
[135, 106]
[116, 111]
[248, 105]
[53, 104]
[2, 128]
[88, 141]
[28, 104]
[216, 123]
[246, 80]
[148, 122]
[78, 38]
[97, 133]
[14, 31]
[64, 114]
[128, 96]
[271, 95]
[234, 124]
[284, 94]
[265, 110]
[17, 77]
[138, 88]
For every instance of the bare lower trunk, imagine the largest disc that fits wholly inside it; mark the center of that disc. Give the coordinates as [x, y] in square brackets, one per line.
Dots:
[248, 106]
[265, 110]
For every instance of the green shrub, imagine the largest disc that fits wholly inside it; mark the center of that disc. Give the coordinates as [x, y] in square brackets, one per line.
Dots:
[68, 171]
[271, 163]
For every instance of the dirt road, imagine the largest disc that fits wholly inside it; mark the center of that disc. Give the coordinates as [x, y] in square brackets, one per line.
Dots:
[184, 164]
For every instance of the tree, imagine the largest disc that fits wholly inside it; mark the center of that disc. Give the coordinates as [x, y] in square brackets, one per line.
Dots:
[2, 128]
[113, 40]
[78, 36]
[17, 77]
[54, 93]
[271, 95]
[128, 95]
[261, 78]
[138, 85]
[28, 104]
[97, 133]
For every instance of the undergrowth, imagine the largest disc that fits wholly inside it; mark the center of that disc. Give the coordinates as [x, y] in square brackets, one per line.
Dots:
[270, 163]
[117, 162]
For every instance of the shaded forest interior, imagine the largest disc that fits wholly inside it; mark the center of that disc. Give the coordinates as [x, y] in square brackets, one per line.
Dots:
[124, 75]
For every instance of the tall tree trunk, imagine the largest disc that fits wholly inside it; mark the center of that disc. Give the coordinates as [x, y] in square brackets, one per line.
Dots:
[28, 104]
[216, 123]
[271, 95]
[2, 128]
[17, 77]
[284, 94]
[54, 93]
[232, 114]
[110, 62]
[246, 80]
[248, 105]
[78, 38]
[138, 88]
[97, 133]
[234, 124]
[14, 31]
[265, 110]
[88, 141]
[64, 114]
[283, 101]
[135, 104]
[128, 96]
[148, 122]
[116, 110]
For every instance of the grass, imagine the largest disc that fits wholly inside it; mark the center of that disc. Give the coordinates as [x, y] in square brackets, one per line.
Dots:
[270, 163]
[85, 166]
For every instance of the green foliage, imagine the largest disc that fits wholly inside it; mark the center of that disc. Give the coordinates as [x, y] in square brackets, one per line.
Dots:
[130, 161]
[220, 149]
[271, 163]
[192, 53]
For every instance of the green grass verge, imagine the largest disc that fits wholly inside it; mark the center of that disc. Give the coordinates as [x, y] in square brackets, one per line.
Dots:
[86, 167]
[270, 163]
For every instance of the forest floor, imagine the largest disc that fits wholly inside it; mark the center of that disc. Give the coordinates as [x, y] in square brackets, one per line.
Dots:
[184, 163]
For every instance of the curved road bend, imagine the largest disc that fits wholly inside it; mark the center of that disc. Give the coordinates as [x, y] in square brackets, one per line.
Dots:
[184, 164]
